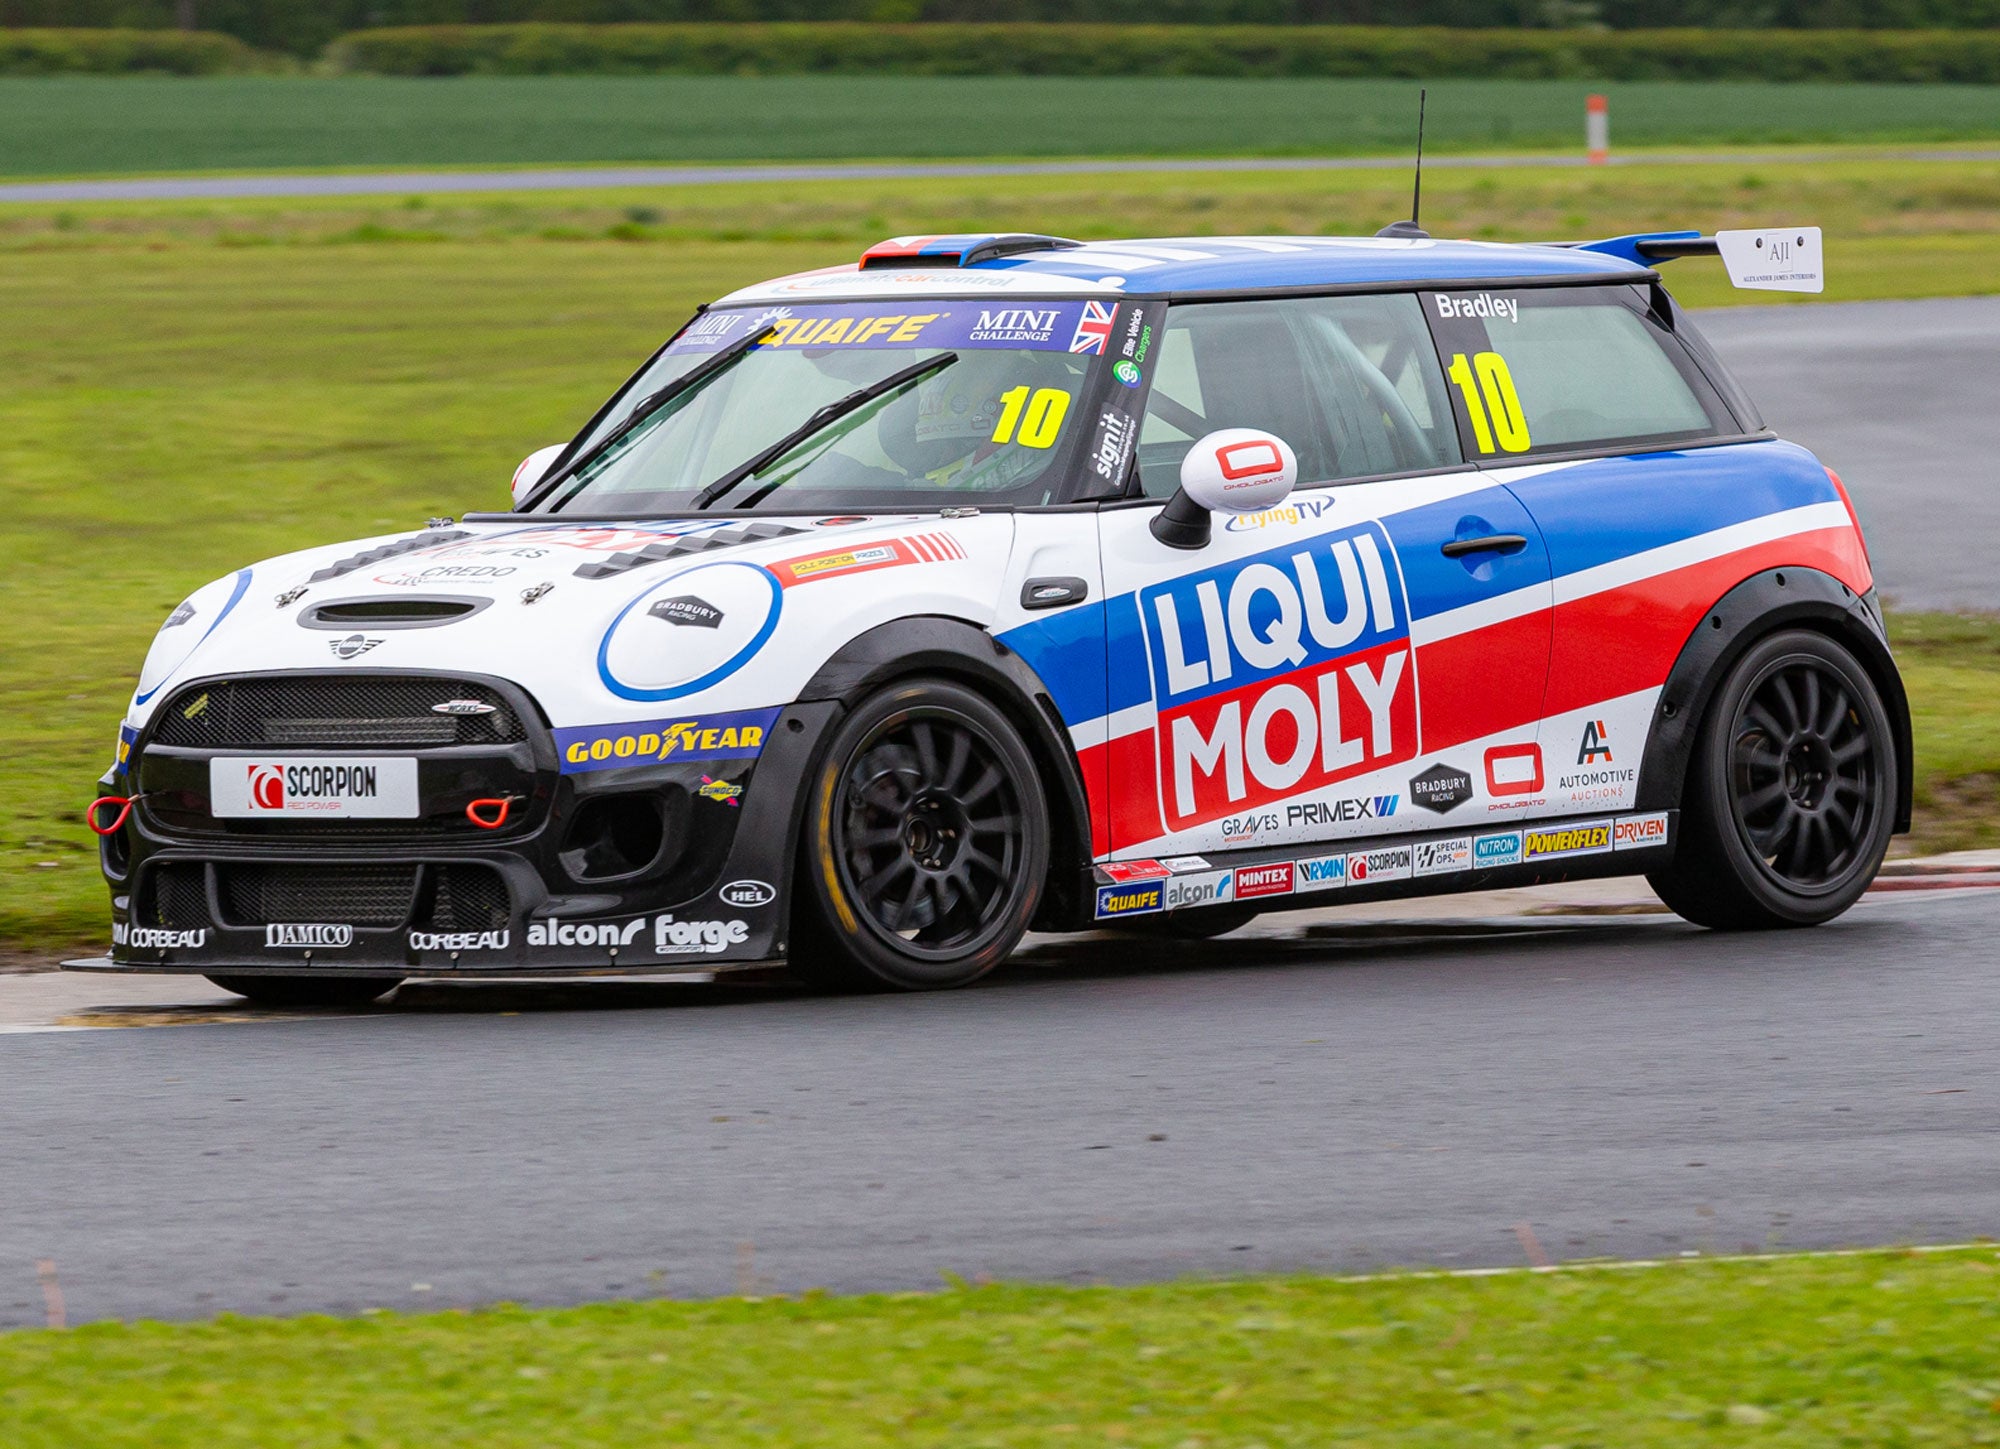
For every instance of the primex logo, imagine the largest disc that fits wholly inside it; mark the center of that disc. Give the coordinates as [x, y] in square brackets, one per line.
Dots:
[1279, 673]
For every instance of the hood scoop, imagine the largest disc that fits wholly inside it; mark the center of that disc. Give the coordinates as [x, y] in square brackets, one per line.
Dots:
[391, 613]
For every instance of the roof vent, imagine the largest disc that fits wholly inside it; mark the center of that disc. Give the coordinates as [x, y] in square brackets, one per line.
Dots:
[959, 251]
[395, 612]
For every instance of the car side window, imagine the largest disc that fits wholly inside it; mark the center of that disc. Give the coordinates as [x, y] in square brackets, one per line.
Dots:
[1555, 369]
[1352, 383]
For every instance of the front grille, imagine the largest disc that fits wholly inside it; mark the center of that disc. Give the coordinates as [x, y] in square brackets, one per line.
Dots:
[176, 897]
[469, 898]
[351, 895]
[335, 710]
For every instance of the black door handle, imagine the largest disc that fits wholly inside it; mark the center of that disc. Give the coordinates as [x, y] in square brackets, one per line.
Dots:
[1490, 543]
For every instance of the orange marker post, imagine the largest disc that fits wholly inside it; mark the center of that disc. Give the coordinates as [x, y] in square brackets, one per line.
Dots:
[1597, 129]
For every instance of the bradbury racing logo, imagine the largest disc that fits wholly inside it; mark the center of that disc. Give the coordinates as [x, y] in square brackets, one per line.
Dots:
[1279, 673]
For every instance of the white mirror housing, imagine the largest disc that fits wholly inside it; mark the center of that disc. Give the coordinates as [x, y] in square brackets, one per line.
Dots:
[1233, 470]
[533, 469]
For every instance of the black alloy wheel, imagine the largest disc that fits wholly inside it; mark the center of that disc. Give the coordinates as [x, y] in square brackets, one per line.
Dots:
[927, 843]
[347, 991]
[1791, 794]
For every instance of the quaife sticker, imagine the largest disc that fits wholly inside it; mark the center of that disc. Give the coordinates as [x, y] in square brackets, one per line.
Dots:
[1137, 899]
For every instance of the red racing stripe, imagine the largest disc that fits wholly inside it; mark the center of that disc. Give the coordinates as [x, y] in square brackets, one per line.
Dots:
[1484, 681]
[1627, 638]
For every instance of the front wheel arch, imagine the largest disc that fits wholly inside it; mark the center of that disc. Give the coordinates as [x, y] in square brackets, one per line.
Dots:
[1780, 598]
[939, 645]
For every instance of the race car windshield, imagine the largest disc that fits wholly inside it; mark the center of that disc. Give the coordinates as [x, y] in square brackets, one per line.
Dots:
[976, 404]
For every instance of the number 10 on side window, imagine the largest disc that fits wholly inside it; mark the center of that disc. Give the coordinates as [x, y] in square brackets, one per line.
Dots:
[1491, 404]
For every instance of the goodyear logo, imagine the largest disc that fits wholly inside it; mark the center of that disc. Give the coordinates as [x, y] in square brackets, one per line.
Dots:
[1587, 839]
[1137, 899]
[738, 736]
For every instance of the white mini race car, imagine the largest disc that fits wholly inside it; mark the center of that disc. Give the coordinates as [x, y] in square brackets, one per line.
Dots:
[1003, 581]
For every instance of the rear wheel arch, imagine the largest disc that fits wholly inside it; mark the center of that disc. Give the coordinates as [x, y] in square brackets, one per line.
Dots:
[956, 649]
[1775, 599]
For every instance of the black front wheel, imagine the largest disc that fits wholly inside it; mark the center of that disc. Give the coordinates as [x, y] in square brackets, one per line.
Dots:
[1791, 795]
[347, 991]
[926, 843]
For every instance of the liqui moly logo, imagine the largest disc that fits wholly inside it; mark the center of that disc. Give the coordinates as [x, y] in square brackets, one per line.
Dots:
[1280, 673]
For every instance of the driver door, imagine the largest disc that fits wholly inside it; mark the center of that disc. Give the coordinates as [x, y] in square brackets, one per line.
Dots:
[1343, 665]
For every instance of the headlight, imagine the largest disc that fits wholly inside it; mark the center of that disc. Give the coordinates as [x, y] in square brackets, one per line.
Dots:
[184, 630]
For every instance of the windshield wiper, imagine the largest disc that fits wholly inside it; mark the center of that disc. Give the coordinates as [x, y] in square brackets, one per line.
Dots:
[694, 377]
[831, 413]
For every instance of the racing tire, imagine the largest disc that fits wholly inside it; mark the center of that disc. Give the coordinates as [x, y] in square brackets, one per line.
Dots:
[309, 990]
[1790, 798]
[925, 845]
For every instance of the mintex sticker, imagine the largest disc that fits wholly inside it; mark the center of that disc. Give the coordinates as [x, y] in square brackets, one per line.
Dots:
[1590, 838]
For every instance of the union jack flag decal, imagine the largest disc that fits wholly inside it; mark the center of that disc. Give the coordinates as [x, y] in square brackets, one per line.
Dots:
[1093, 329]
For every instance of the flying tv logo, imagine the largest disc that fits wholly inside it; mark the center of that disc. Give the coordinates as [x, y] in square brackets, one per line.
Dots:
[1279, 673]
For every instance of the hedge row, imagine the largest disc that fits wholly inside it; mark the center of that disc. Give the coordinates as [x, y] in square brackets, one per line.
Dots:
[115, 52]
[938, 49]
[304, 27]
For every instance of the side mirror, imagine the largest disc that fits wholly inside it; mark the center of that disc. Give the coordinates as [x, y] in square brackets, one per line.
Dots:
[1237, 470]
[533, 469]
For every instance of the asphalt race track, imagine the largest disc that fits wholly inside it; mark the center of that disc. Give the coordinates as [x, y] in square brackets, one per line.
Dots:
[1898, 398]
[1103, 1110]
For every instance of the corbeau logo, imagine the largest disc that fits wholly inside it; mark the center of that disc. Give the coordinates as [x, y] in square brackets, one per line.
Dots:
[1130, 900]
[153, 938]
[1279, 673]
[307, 936]
[1588, 839]
[737, 736]
[1264, 880]
[458, 941]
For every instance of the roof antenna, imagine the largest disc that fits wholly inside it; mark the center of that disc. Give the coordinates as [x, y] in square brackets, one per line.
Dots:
[1410, 228]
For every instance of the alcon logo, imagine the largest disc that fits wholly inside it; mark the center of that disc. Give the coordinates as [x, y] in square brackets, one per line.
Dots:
[1279, 673]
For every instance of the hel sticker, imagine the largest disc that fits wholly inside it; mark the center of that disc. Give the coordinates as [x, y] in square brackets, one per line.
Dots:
[1777, 259]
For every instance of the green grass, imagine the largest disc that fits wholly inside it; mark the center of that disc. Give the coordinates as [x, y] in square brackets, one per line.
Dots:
[1881, 1349]
[188, 387]
[75, 125]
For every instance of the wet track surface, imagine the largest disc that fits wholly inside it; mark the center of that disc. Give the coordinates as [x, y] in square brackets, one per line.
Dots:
[1893, 396]
[1343, 1098]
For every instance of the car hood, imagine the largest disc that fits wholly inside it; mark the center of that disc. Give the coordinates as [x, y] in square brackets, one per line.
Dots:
[547, 605]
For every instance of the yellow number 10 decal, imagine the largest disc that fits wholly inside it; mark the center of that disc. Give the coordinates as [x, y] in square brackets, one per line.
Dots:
[1040, 416]
[1508, 430]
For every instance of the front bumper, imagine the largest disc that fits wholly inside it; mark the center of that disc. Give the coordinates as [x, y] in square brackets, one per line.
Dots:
[191, 894]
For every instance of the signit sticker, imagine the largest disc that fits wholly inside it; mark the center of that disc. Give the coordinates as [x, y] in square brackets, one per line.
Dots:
[1280, 673]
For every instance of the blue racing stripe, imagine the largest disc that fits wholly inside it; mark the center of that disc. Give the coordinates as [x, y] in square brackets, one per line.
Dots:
[1067, 650]
[1436, 583]
[1612, 508]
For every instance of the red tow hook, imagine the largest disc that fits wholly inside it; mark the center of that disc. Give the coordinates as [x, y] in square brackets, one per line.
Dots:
[496, 807]
[90, 816]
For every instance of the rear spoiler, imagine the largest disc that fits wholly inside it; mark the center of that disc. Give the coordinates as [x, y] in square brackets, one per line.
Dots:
[1772, 259]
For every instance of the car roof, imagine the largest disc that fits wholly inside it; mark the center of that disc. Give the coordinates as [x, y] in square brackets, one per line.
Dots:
[982, 265]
